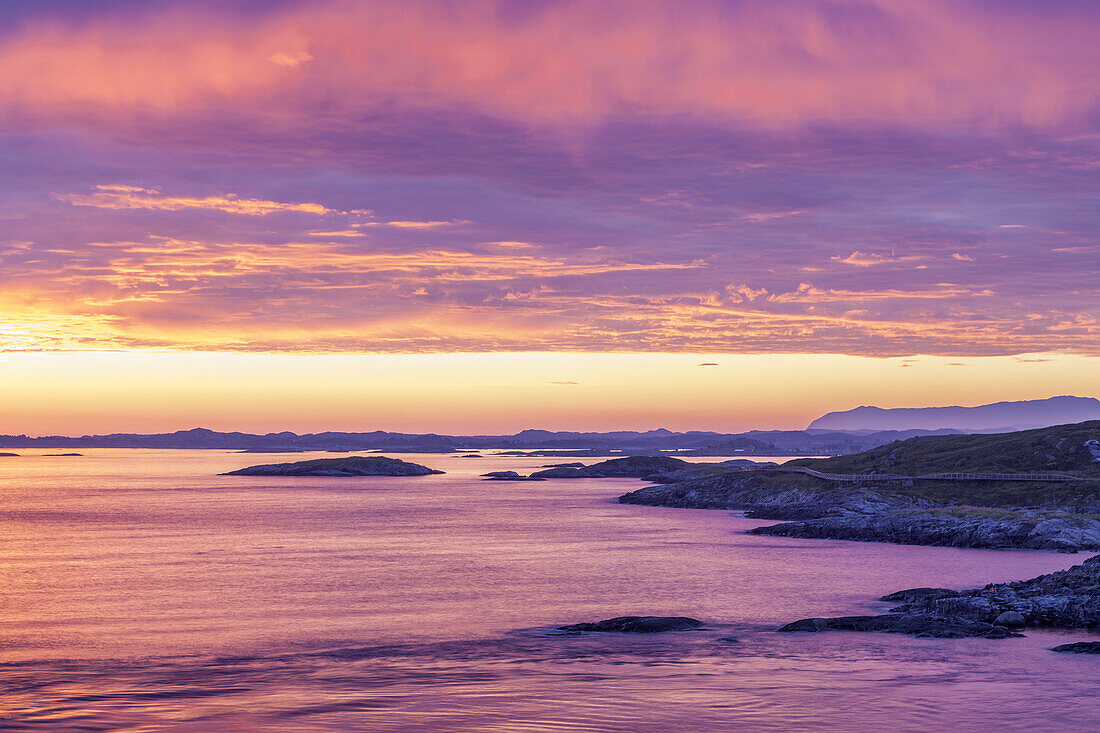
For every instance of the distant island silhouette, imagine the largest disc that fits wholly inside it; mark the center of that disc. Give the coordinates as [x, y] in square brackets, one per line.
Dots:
[837, 433]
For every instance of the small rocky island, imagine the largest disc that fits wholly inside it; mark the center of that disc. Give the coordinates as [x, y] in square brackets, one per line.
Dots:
[338, 467]
[634, 625]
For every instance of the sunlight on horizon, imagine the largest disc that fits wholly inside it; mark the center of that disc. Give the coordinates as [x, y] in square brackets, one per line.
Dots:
[100, 392]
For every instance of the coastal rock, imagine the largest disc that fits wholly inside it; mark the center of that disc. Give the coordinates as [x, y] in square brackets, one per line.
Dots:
[338, 467]
[999, 531]
[508, 476]
[61, 455]
[1011, 620]
[1065, 599]
[9, 455]
[1079, 647]
[630, 467]
[917, 594]
[566, 472]
[636, 625]
[912, 624]
[638, 466]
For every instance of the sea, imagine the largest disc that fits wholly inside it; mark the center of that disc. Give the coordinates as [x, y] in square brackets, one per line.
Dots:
[142, 591]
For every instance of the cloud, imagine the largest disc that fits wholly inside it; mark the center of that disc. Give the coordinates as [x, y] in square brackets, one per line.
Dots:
[758, 62]
[342, 233]
[707, 364]
[132, 197]
[870, 259]
[412, 224]
[568, 176]
[565, 383]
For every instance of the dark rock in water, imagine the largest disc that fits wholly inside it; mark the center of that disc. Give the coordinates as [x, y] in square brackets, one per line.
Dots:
[638, 466]
[472, 455]
[338, 467]
[1079, 647]
[508, 476]
[566, 472]
[1068, 599]
[562, 465]
[650, 468]
[911, 624]
[1011, 620]
[637, 624]
[916, 594]
[9, 455]
[60, 455]
[1001, 531]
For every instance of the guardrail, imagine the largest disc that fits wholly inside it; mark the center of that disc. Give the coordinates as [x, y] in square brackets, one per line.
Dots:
[857, 477]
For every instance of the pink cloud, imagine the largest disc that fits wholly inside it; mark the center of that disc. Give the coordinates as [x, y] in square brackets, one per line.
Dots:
[581, 62]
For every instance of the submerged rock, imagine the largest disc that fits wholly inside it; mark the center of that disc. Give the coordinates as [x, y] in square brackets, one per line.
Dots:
[1079, 647]
[338, 467]
[917, 594]
[922, 626]
[637, 625]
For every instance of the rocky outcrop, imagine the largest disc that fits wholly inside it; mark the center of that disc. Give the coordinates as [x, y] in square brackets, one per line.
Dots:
[817, 509]
[647, 467]
[1019, 530]
[636, 625]
[1079, 647]
[785, 496]
[566, 472]
[923, 626]
[338, 467]
[9, 455]
[508, 476]
[1068, 599]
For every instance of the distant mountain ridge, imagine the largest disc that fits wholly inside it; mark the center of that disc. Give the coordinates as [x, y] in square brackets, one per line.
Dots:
[652, 442]
[1005, 416]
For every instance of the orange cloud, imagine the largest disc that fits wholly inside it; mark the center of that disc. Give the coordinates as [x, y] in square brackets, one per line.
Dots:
[132, 197]
[870, 259]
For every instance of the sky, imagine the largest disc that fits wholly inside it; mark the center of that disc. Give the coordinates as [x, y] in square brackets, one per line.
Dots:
[325, 193]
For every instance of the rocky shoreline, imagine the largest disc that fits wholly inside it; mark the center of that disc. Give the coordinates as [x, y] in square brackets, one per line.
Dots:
[1067, 599]
[874, 512]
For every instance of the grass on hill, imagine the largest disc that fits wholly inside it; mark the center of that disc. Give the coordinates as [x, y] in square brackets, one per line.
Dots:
[1058, 449]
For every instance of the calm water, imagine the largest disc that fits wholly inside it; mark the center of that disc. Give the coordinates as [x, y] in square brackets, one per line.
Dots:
[139, 591]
